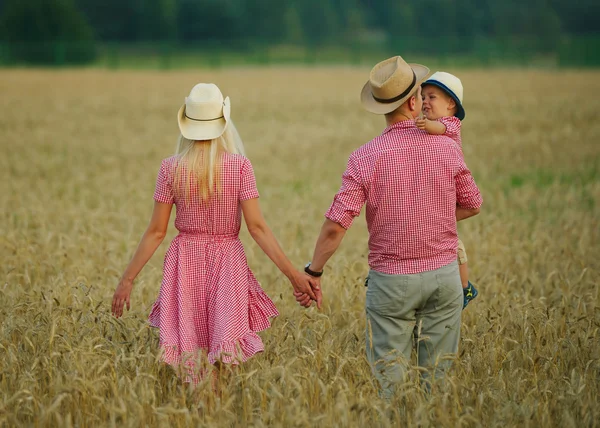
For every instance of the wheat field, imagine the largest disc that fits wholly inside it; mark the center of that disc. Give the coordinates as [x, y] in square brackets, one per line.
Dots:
[80, 154]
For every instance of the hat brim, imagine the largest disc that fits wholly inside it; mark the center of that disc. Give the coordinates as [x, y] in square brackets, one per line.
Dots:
[460, 111]
[372, 105]
[203, 129]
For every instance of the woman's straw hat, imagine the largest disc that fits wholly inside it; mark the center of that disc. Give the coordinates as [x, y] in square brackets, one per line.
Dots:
[205, 114]
[450, 84]
[390, 84]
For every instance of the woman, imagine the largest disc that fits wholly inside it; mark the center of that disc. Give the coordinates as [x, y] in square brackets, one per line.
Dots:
[209, 303]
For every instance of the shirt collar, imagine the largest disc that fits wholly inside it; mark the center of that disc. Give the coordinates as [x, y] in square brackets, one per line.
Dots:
[404, 124]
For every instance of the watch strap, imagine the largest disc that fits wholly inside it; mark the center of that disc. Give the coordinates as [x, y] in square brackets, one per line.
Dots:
[311, 272]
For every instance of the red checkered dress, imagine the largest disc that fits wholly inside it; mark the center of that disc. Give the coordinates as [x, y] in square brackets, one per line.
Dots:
[411, 183]
[209, 299]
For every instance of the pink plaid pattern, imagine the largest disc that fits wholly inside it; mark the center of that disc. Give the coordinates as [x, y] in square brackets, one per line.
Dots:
[452, 124]
[411, 183]
[209, 299]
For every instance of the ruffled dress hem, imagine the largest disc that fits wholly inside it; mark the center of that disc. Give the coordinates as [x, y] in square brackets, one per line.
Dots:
[260, 311]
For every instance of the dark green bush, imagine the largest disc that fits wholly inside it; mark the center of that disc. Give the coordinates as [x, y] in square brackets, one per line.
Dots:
[45, 32]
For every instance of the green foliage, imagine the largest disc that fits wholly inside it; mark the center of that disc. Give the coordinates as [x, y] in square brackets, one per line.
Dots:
[113, 19]
[46, 32]
[319, 21]
[425, 27]
[579, 51]
[209, 21]
[578, 16]
[264, 20]
[294, 33]
[527, 20]
[158, 20]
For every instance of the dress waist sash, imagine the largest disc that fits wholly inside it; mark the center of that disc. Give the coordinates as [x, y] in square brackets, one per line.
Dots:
[206, 237]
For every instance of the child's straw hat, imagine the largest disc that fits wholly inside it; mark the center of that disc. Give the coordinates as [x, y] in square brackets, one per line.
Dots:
[450, 84]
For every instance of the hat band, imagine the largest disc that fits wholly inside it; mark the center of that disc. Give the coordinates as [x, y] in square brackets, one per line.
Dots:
[204, 120]
[399, 97]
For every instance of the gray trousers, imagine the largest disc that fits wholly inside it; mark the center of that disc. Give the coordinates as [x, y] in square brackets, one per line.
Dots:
[429, 303]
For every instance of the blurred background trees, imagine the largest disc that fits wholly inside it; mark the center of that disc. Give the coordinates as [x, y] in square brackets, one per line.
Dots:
[428, 27]
[46, 31]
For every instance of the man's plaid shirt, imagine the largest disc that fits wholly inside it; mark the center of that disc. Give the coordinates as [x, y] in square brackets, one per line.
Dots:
[412, 183]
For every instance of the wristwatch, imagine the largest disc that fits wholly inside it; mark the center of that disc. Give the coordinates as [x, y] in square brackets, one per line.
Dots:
[312, 272]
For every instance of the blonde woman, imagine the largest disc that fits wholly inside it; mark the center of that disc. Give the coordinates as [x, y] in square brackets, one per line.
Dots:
[209, 303]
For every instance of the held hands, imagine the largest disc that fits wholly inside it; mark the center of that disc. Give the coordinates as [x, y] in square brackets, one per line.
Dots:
[307, 289]
[305, 300]
[121, 297]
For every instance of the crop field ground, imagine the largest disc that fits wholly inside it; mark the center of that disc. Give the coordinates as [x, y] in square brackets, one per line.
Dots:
[80, 154]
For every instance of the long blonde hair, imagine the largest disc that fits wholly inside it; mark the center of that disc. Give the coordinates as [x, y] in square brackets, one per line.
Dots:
[199, 163]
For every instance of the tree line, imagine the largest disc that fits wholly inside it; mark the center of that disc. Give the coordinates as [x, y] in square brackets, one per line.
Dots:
[434, 25]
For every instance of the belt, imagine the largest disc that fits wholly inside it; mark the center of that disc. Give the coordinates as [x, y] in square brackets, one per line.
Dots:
[207, 237]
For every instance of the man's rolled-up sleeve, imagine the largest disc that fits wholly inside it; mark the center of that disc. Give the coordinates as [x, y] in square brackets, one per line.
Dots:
[349, 200]
[468, 195]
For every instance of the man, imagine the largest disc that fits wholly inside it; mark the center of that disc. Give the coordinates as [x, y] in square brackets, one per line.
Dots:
[416, 187]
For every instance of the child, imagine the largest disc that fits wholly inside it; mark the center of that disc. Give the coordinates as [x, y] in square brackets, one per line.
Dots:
[209, 303]
[442, 97]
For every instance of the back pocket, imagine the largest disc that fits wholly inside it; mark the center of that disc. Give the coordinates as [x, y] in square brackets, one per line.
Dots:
[386, 293]
[449, 287]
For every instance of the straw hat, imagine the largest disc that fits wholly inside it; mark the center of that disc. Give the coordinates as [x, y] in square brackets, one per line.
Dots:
[390, 84]
[450, 84]
[205, 114]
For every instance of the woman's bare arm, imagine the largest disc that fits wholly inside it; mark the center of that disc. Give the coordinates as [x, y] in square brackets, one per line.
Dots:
[262, 234]
[152, 238]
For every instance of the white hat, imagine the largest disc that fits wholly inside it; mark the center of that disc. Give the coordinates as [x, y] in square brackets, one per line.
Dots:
[390, 84]
[205, 114]
[450, 84]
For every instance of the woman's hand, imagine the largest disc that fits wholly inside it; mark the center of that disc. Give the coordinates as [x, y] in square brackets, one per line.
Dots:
[121, 297]
[154, 235]
[305, 296]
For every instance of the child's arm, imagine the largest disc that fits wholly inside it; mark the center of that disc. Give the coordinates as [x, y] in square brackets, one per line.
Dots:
[262, 234]
[431, 126]
[152, 238]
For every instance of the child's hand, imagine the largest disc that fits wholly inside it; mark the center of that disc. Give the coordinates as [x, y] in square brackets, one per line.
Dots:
[421, 122]
[121, 297]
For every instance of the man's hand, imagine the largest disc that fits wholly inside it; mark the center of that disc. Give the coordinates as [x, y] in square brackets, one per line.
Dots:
[329, 239]
[421, 122]
[121, 297]
[305, 284]
[304, 299]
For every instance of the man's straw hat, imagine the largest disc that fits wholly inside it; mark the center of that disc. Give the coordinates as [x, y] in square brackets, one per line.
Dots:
[390, 84]
[205, 114]
[450, 84]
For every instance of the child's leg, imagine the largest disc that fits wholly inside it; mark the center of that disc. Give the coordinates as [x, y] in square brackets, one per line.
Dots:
[462, 264]
[464, 274]
[469, 291]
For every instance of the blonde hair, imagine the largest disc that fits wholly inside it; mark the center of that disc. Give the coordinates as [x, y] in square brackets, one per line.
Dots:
[199, 163]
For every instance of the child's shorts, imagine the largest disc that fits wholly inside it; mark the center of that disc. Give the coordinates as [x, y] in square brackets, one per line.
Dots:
[462, 253]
